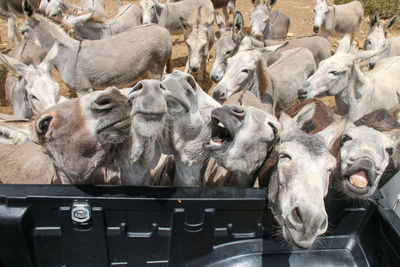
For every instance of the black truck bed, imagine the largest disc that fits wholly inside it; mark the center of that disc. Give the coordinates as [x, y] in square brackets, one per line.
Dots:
[60, 225]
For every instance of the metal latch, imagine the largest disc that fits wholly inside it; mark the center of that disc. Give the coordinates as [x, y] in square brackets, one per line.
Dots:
[396, 203]
[81, 212]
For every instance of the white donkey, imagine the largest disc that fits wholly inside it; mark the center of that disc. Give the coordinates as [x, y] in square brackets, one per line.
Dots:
[266, 24]
[339, 19]
[356, 93]
[31, 89]
[199, 36]
[376, 39]
[168, 14]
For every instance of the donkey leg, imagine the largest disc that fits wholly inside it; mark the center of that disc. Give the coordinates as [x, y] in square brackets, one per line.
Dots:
[226, 14]
[12, 28]
[156, 72]
[187, 66]
[231, 5]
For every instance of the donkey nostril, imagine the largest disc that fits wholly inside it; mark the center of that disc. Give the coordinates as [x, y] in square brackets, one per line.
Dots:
[297, 215]
[215, 77]
[103, 102]
[302, 94]
[237, 110]
[195, 69]
[371, 65]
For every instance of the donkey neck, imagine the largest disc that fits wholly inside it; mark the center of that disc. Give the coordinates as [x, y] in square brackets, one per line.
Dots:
[329, 20]
[388, 47]
[47, 32]
[259, 87]
[163, 17]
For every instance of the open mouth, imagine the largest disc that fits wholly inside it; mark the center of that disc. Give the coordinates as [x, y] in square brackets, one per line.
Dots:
[359, 180]
[221, 136]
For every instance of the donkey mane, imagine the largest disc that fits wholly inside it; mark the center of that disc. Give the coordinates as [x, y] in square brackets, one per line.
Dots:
[67, 29]
[56, 24]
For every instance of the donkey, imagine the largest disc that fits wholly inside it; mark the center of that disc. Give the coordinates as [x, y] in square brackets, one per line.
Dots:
[367, 154]
[364, 156]
[168, 15]
[79, 135]
[150, 104]
[227, 45]
[118, 60]
[341, 19]
[266, 25]
[188, 128]
[229, 42]
[199, 37]
[10, 10]
[87, 27]
[230, 146]
[300, 180]
[25, 162]
[356, 93]
[319, 47]
[376, 39]
[30, 89]
[224, 5]
[276, 85]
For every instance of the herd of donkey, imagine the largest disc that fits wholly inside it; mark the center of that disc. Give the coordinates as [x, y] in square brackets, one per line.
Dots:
[262, 125]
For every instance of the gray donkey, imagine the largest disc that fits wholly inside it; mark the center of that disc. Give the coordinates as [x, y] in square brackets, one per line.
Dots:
[341, 19]
[118, 60]
[376, 39]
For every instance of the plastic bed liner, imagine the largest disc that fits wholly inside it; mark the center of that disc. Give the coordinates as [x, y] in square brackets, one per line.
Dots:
[56, 225]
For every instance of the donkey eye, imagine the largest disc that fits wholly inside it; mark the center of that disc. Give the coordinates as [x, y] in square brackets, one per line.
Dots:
[390, 151]
[285, 156]
[33, 97]
[334, 72]
[346, 138]
[43, 125]
[228, 52]
[369, 42]
[246, 70]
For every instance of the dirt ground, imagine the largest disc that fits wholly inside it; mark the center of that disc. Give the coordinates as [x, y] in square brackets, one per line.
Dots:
[300, 13]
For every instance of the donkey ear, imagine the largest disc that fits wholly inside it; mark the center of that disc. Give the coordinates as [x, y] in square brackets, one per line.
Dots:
[175, 107]
[77, 20]
[333, 132]
[344, 45]
[238, 23]
[388, 25]
[187, 27]
[48, 61]
[305, 114]
[287, 123]
[364, 55]
[271, 3]
[374, 21]
[270, 49]
[15, 131]
[14, 65]
[28, 10]
[219, 20]
[189, 78]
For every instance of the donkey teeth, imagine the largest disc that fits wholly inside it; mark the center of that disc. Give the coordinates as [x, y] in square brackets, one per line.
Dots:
[220, 124]
[358, 184]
